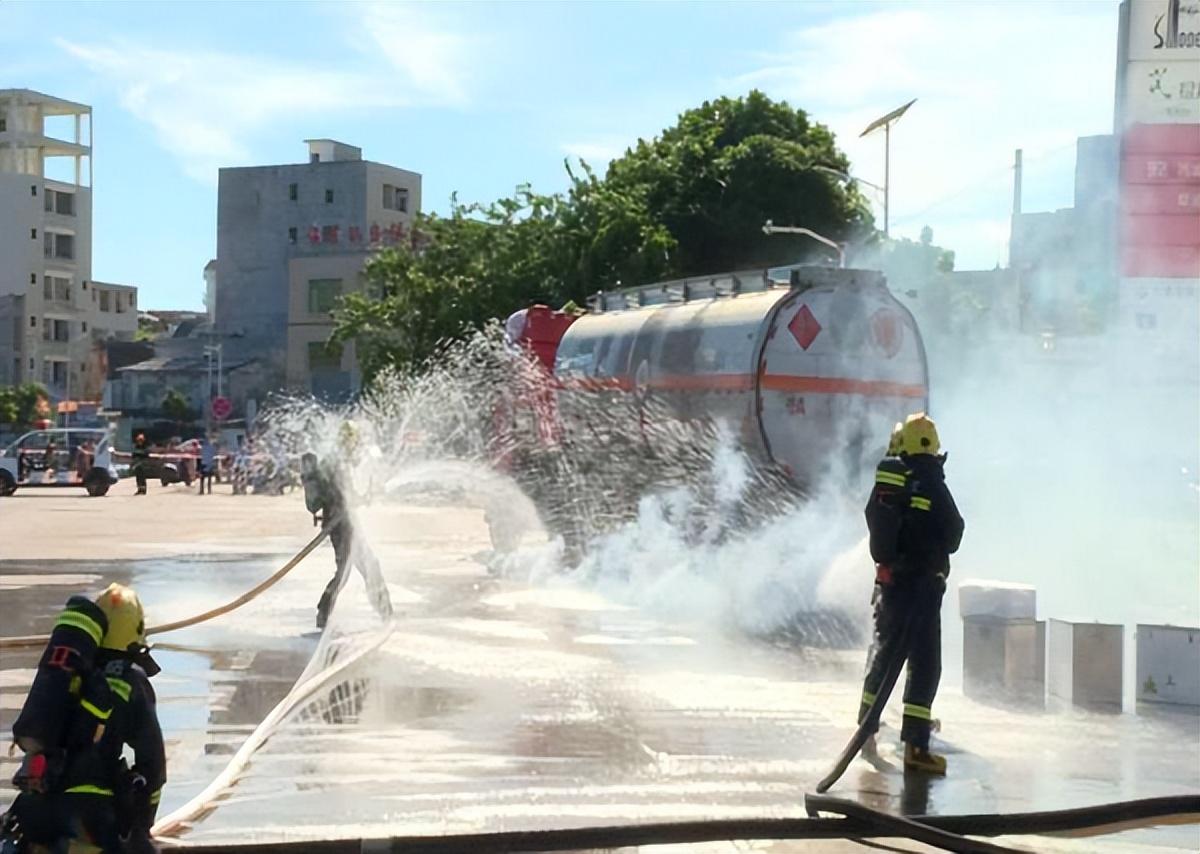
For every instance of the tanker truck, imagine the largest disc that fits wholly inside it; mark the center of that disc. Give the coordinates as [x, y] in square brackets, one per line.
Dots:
[804, 368]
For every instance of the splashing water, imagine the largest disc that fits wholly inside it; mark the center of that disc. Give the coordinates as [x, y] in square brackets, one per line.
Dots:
[668, 514]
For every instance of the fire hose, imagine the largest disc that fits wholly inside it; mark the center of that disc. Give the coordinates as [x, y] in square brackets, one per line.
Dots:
[856, 822]
[871, 721]
[28, 641]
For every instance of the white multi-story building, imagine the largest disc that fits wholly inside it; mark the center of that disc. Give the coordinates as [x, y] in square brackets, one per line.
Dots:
[53, 317]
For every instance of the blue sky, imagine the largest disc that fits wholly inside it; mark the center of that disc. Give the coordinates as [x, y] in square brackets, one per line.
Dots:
[482, 97]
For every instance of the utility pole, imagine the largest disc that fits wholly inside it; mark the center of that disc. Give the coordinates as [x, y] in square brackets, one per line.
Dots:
[886, 123]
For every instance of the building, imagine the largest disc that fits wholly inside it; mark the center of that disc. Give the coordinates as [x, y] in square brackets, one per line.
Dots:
[45, 241]
[54, 319]
[290, 240]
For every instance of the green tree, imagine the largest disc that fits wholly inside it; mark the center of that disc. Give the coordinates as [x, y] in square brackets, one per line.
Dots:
[23, 404]
[175, 406]
[725, 168]
[690, 201]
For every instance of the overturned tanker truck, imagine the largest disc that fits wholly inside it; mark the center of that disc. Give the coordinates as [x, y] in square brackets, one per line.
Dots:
[806, 368]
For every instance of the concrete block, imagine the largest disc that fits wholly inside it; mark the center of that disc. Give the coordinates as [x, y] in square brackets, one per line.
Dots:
[1004, 660]
[1085, 663]
[977, 598]
[1168, 665]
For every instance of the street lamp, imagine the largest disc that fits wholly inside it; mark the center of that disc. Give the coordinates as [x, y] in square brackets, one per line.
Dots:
[886, 123]
[770, 228]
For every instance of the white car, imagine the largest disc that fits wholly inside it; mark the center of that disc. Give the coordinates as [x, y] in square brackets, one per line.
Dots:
[50, 458]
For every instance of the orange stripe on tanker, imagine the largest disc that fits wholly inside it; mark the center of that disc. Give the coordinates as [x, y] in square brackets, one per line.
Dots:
[745, 382]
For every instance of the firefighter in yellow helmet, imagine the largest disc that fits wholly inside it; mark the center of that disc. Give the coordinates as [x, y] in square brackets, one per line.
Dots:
[105, 805]
[914, 527]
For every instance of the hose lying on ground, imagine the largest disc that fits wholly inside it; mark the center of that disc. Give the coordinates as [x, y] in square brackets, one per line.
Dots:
[28, 641]
[206, 801]
[866, 824]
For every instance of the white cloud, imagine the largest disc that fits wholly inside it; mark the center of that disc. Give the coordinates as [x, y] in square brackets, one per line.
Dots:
[206, 106]
[433, 59]
[989, 78]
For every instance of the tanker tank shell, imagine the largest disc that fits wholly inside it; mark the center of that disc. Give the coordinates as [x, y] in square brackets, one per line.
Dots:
[812, 372]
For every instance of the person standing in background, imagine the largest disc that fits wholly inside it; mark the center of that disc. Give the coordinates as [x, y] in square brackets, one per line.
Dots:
[208, 463]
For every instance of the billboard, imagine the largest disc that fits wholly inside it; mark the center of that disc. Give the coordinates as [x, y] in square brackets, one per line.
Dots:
[1164, 30]
[1159, 122]
[1162, 92]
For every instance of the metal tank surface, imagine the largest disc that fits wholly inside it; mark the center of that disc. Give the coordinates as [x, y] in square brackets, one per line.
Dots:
[810, 366]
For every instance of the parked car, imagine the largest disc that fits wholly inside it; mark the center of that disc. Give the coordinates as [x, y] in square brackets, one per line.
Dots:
[51, 458]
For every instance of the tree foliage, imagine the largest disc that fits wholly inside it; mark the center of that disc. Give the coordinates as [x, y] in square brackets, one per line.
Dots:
[176, 407]
[692, 200]
[21, 405]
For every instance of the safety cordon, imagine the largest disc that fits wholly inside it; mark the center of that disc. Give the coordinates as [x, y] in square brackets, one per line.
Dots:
[28, 641]
[855, 821]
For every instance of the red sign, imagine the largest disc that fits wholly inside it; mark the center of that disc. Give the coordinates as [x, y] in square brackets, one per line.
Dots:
[1160, 201]
[1160, 262]
[1161, 169]
[804, 327]
[222, 408]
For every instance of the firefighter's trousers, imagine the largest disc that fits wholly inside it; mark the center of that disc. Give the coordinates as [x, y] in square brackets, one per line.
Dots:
[349, 548]
[920, 599]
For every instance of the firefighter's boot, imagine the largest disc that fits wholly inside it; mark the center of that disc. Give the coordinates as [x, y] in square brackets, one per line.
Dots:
[870, 749]
[922, 761]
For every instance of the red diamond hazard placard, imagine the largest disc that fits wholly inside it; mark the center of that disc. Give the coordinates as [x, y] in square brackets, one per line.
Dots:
[804, 327]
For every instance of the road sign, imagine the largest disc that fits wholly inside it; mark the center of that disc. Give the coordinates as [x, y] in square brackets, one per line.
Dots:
[221, 408]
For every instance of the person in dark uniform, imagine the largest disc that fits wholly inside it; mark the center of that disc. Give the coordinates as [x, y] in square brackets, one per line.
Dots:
[93, 802]
[914, 527]
[323, 494]
[141, 461]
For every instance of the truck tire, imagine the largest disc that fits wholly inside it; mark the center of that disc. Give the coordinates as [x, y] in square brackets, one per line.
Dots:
[7, 485]
[96, 483]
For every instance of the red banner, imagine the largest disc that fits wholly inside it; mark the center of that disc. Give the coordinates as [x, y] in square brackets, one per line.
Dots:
[1160, 230]
[1161, 169]
[1160, 262]
[1175, 199]
[1162, 139]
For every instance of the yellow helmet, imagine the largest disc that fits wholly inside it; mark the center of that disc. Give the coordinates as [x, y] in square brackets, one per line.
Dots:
[126, 619]
[895, 441]
[919, 435]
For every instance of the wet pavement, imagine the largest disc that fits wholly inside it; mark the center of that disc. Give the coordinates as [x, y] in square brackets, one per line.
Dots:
[495, 704]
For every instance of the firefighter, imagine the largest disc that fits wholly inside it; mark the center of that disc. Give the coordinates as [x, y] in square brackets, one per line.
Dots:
[79, 796]
[914, 527]
[323, 494]
[141, 461]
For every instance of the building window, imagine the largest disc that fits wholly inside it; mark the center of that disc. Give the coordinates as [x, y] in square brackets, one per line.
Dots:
[33, 189]
[323, 356]
[323, 295]
[33, 278]
[85, 326]
[33, 234]
[32, 325]
[292, 235]
[293, 192]
[3, 125]
[85, 287]
[64, 204]
[329, 197]
[395, 198]
[104, 301]
[314, 157]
